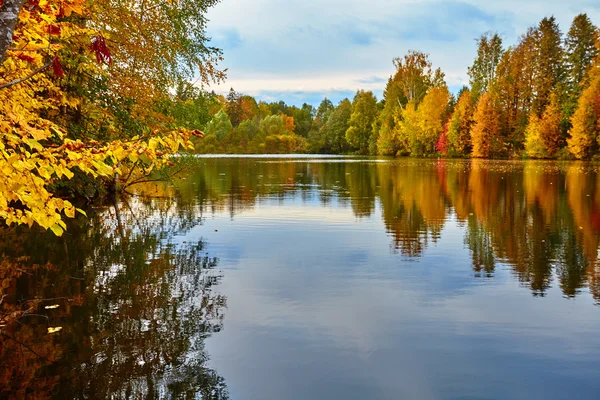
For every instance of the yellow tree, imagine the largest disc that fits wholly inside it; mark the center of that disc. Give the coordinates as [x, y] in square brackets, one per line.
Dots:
[486, 133]
[585, 131]
[432, 116]
[35, 149]
[550, 126]
[534, 143]
[459, 129]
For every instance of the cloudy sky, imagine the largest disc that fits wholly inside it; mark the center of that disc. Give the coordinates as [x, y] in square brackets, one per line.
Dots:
[302, 50]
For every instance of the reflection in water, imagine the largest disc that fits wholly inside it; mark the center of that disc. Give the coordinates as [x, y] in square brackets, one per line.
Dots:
[542, 218]
[130, 292]
[131, 308]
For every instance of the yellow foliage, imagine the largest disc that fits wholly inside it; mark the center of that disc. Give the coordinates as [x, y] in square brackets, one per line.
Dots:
[485, 135]
[586, 122]
[34, 151]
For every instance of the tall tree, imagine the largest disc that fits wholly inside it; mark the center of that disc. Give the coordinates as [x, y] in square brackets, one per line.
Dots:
[459, 129]
[234, 108]
[360, 126]
[580, 50]
[414, 76]
[483, 71]
[549, 71]
[432, 116]
[513, 88]
[486, 133]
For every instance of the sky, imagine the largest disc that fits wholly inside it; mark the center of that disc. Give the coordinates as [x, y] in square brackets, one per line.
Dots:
[302, 51]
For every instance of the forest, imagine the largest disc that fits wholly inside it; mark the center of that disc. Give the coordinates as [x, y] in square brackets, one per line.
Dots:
[97, 96]
[538, 98]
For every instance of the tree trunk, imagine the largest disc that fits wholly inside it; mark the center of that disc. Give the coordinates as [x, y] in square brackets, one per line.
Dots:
[9, 14]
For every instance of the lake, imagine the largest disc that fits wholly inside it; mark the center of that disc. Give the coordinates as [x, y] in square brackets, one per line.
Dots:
[315, 278]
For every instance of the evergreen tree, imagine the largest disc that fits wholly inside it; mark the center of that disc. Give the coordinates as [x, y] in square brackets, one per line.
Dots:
[549, 56]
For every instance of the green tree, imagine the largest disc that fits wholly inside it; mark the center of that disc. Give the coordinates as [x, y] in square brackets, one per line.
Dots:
[549, 56]
[483, 71]
[336, 127]
[219, 125]
[360, 126]
[580, 51]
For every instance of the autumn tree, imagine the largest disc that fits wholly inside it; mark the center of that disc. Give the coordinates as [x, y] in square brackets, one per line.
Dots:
[543, 135]
[483, 71]
[234, 108]
[360, 125]
[513, 88]
[406, 89]
[414, 76]
[486, 132]
[460, 124]
[549, 55]
[585, 131]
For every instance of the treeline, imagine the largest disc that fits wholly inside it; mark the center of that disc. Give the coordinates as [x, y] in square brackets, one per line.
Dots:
[539, 98]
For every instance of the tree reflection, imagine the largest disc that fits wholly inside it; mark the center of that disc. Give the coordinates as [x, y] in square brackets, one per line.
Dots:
[540, 218]
[135, 304]
[133, 307]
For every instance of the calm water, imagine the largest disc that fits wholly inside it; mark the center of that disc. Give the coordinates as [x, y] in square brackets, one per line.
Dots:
[330, 278]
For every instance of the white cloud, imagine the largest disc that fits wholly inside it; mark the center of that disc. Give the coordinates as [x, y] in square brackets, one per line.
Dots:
[337, 45]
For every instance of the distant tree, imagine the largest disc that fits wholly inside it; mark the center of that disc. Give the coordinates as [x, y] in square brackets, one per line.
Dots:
[234, 107]
[336, 127]
[360, 126]
[317, 137]
[303, 118]
[485, 135]
[461, 122]
[483, 71]
[219, 125]
[274, 125]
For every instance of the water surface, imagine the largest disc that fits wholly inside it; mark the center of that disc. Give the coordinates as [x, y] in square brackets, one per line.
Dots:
[314, 278]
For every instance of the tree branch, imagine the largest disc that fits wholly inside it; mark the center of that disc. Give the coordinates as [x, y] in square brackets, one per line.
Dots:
[31, 75]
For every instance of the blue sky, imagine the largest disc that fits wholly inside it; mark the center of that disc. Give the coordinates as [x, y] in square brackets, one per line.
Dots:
[302, 51]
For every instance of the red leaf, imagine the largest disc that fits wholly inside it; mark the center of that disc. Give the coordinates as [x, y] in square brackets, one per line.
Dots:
[102, 52]
[54, 29]
[57, 67]
[25, 58]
